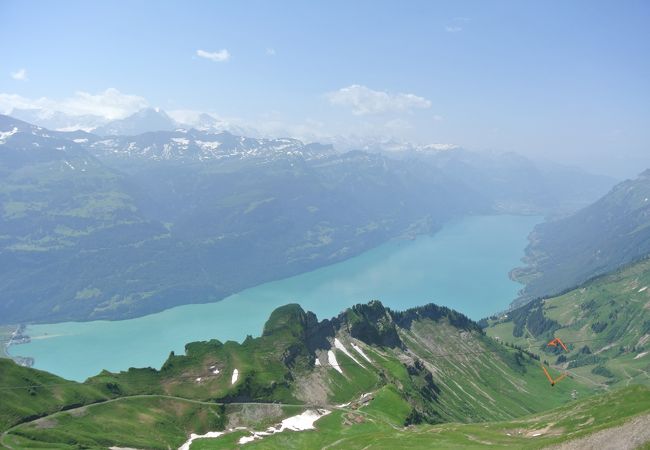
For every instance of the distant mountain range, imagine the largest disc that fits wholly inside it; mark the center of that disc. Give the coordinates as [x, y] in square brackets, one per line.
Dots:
[144, 121]
[163, 218]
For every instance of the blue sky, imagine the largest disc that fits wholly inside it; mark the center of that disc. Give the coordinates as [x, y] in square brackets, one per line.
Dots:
[568, 81]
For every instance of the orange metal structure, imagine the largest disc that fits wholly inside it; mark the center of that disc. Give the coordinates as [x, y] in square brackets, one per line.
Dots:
[550, 378]
[557, 341]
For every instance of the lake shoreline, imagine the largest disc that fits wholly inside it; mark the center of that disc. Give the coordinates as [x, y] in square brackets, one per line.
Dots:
[463, 266]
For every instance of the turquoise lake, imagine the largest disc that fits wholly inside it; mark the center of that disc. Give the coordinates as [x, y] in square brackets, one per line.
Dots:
[464, 266]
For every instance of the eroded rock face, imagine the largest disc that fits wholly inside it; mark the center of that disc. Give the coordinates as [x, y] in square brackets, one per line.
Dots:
[372, 323]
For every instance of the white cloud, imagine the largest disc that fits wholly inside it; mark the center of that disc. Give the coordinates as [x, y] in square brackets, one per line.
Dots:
[453, 29]
[110, 104]
[222, 55]
[270, 51]
[398, 125]
[20, 75]
[363, 100]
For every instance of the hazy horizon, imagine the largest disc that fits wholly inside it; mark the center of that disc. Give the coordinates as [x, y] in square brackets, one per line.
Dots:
[563, 82]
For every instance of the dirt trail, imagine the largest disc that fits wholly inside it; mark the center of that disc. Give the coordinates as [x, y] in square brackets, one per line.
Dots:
[630, 435]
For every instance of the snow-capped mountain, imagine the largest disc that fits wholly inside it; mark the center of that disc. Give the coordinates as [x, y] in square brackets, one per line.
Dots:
[178, 145]
[207, 122]
[196, 145]
[143, 121]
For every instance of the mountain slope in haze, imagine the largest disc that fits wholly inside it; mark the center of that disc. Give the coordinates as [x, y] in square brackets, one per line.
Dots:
[60, 208]
[517, 184]
[104, 244]
[122, 226]
[611, 232]
[423, 365]
[606, 321]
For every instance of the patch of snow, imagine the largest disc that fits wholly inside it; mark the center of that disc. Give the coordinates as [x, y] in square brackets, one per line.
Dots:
[69, 165]
[360, 351]
[643, 288]
[5, 134]
[340, 346]
[208, 145]
[301, 422]
[304, 421]
[182, 141]
[537, 434]
[331, 359]
[80, 141]
[235, 376]
[640, 355]
[317, 362]
[343, 405]
[193, 436]
[198, 380]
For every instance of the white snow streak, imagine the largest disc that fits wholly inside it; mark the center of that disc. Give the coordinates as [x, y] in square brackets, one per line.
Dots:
[340, 346]
[235, 376]
[361, 352]
[331, 359]
[209, 434]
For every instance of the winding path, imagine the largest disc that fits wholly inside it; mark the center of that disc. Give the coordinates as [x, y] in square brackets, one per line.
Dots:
[169, 397]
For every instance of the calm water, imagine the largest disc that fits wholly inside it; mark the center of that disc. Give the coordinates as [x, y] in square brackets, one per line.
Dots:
[464, 266]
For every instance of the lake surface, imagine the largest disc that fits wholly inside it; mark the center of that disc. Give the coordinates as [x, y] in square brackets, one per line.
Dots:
[464, 266]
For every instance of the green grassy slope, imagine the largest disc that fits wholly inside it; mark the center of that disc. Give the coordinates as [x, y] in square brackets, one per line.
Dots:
[606, 321]
[376, 430]
[424, 365]
[133, 422]
[28, 393]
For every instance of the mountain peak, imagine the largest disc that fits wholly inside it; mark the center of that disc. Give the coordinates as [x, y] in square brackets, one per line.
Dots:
[142, 121]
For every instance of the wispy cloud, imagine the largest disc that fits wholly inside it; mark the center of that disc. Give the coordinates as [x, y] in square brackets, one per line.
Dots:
[270, 51]
[363, 100]
[20, 75]
[110, 104]
[456, 23]
[222, 55]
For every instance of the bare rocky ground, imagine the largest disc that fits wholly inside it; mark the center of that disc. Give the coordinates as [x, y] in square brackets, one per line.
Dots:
[631, 435]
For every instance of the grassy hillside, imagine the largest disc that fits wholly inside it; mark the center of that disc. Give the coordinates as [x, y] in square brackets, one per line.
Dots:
[27, 393]
[606, 323]
[377, 426]
[146, 422]
[602, 237]
[425, 365]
